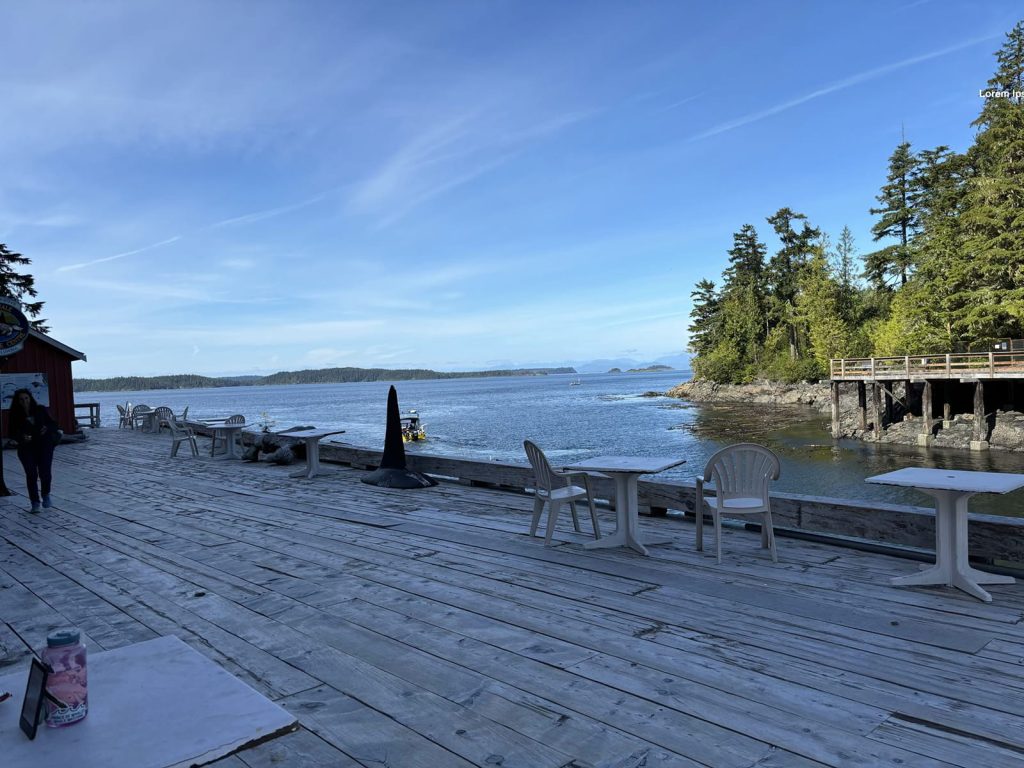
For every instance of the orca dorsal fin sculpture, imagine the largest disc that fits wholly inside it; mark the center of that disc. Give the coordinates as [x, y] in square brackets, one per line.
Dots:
[392, 472]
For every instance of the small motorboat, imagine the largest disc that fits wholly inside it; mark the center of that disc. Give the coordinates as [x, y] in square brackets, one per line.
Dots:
[575, 382]
[412, 428]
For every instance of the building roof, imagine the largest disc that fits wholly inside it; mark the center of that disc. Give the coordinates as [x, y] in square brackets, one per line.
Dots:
[72, 353]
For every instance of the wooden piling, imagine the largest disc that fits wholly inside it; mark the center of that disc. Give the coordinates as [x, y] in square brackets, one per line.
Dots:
[862, 404]
[926, 413]
[876, 409]
[980, 425]
[835, 409]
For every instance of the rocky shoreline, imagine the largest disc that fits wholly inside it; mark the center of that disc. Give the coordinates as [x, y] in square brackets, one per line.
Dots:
[1005, 429]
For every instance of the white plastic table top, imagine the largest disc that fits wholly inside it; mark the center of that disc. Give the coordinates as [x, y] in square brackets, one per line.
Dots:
[625, 470]
[312, 438]
[155, 704]
[642, 465]
[219, 428]
[967, 481]
[951, 489]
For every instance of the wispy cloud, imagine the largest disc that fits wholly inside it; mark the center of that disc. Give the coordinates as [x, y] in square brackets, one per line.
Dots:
[249, 218]
[115, 257]
[839, 85]
[450, 154]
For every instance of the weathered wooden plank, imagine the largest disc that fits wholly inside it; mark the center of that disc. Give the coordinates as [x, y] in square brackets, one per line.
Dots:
[425, 611]
[949, 745]
[302, 749]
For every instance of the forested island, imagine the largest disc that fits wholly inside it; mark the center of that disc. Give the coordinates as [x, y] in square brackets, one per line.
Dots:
[948, 275]
[317, 376]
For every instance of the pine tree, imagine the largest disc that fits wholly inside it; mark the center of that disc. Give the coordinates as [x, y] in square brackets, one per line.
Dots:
[819, 307]
[993, 220]
[739, 322]
[705, 330]
[900, 219]
[785, 271]
[18, 285]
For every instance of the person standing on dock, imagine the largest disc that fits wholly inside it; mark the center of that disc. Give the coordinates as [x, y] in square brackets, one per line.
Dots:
[37, 434]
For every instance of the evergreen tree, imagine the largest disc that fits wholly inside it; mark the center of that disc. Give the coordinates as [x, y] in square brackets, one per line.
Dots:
[993, 220]
[738, 326]
[900, 219]
[744, 321]
[820, 309]
[785, 271]
[705, 329]
[18, 285]
[844, 260]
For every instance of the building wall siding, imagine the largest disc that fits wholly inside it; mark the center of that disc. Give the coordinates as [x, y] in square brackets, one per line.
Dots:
[39, 357]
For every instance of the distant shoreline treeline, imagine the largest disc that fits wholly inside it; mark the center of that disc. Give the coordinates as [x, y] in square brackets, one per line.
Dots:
[317, 376]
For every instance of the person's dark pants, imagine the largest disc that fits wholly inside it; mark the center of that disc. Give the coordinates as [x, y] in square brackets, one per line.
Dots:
[38, 464]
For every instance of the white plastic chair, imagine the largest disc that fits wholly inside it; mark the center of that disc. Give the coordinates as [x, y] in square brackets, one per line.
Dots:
[740, 474]
[235, 419]
[164, 416]
[139, 415]
[124, 419]
[554, 489]
[180, 433]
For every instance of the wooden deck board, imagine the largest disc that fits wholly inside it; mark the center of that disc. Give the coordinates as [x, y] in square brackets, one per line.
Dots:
[425, 628]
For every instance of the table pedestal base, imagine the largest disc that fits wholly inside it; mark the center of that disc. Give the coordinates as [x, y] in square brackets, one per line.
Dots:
[952, 568]
[312, 468]
[969, 580]
[627, 528]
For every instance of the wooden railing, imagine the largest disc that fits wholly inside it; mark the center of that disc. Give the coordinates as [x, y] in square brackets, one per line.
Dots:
[949, 366]
[92, 415]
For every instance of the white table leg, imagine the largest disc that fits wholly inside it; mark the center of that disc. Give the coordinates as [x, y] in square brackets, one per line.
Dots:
[229, 437]
[312, 467]
[952, 567]
[627, 519]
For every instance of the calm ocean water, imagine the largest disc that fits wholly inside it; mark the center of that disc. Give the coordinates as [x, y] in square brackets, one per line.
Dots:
[488, 418]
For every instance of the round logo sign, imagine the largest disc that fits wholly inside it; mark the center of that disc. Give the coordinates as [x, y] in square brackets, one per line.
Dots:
[13, 326]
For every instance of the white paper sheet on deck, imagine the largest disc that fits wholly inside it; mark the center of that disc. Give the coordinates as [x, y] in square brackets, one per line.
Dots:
[157, 704]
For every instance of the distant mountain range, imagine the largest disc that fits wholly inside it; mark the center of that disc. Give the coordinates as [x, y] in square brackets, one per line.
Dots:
[678, 362]
[317, 376]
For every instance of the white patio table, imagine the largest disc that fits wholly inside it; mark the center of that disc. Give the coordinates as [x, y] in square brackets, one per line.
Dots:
[625, 470]
[229, 432]
[951, 488]
[312, 439]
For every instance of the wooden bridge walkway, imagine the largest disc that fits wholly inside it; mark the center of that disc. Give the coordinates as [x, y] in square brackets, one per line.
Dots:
[424, 629]
[967, 366]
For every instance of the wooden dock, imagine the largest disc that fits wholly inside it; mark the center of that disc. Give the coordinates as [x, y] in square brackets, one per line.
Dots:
[927, 387]
[964, 366]
[425, 629]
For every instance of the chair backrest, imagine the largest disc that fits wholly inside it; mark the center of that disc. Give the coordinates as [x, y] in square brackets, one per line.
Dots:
[179, 431]
[236, 419]
[120, 410]
[541, 466]
[742, 471]
[163, 412]
[141, 408]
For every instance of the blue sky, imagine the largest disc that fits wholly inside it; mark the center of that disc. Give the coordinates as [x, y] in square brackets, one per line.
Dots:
[246, 186]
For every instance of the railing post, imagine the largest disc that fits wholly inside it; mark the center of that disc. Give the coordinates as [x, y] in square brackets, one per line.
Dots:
[991, 364]
[842, 367]
[872, 368]
[948, 365]
[906, 365]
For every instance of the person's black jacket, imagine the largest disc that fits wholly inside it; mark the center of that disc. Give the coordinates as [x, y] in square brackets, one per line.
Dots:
[42, 430]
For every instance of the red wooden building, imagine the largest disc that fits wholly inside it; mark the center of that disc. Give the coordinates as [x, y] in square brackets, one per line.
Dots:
[42, 354]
